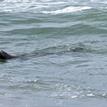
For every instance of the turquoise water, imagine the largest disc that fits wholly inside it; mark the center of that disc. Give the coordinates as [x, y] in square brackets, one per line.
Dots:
[62, 49]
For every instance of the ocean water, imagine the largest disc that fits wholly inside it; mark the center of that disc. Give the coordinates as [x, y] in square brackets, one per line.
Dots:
[62, 49]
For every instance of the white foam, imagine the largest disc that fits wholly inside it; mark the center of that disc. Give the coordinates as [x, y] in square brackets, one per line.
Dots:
[68, 10]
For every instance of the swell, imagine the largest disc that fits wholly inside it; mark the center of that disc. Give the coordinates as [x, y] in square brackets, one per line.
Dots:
[78, 48]
[89, 23]
[78, 29]
[43, 6]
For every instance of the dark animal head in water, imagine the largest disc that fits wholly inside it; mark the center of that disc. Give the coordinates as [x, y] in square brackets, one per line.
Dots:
[5, 56]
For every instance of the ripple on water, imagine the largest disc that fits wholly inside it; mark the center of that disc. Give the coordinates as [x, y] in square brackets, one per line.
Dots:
[53, 88]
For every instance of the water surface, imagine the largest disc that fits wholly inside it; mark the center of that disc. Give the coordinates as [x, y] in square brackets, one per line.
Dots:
[64, 49]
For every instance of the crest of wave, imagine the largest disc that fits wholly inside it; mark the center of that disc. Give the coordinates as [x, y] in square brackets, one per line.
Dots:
[68, 10]
[45, 6]
[28, 5]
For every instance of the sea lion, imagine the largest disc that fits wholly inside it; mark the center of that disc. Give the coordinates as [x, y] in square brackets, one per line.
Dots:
[5, 56]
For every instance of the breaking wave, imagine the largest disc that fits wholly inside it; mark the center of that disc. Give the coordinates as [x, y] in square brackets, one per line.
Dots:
[47, 6]
[68, 10]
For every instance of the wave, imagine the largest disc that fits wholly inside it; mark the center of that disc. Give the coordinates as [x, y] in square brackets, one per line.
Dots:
[59, 50]
[48, 6]
[68, 10]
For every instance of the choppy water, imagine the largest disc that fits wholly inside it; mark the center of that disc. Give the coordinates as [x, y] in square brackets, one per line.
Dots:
[64, 49]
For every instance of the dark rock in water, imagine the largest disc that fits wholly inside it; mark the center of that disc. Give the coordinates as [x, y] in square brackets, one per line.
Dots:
[5, 56]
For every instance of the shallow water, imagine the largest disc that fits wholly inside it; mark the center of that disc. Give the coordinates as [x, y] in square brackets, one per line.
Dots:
[63, 49]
